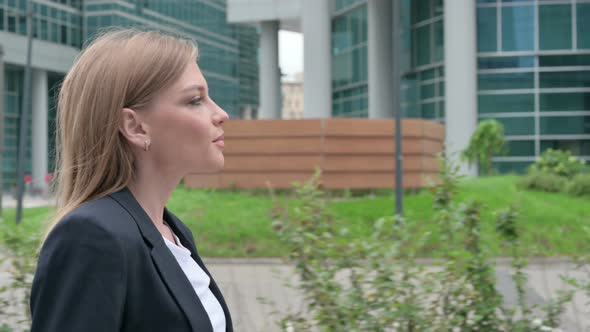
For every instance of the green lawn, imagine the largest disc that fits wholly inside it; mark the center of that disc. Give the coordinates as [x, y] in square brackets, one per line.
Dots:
[237, 224]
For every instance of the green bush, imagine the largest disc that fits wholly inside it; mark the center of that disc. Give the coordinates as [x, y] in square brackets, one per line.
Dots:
[487, 140]
[378, 284]
[558, 162]
[537, 180]
[19, 246]
[5, 328]
[579, 185]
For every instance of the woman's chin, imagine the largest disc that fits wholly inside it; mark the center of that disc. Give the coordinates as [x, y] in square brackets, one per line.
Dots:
[214, 167]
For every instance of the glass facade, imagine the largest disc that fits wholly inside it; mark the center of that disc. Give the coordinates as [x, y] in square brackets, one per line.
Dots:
[423, 83]
[225, 51]
[55, 21]
[533, 70]
[13, 90]
[54, 81]
[422, 57]
[248, 67]
[534, 76]
[349, 60]
[228, 53]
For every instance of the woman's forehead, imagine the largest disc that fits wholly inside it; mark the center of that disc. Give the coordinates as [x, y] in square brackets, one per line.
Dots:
[192, 79]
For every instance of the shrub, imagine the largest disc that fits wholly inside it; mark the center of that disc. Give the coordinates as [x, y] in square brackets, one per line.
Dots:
[20, 250]
[487, 140]
[536, 180]
[579, 185]
[558, 162]
[380, 285]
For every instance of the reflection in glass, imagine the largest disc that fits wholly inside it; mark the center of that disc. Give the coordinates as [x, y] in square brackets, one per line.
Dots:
[423, 45]
[506, 103]
[566, 79]
[519, 148]
[569, 101]
[518, 24]
[577, 147]
[506, 81]
[555, 27]
[567, 125]
[486, 29]
[583, 21]
[506, 62]
[518, 126]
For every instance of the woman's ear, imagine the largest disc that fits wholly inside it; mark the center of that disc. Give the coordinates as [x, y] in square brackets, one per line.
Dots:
[133, 129]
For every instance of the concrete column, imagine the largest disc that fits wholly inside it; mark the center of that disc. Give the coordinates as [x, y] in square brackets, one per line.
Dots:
[247, 112]
[380, 56]
[317, 58]
[39, 129]
[460, 78]
[270, 75]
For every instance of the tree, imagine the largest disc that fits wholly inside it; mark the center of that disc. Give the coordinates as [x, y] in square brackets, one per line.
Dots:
[487, 140]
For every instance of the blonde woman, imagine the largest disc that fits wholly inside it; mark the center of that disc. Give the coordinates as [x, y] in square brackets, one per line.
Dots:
[134, 118]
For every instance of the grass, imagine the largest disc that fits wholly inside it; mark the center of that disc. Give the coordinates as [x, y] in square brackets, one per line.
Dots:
[237, 223]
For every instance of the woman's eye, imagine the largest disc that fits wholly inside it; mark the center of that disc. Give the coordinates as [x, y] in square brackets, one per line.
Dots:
[197, 101]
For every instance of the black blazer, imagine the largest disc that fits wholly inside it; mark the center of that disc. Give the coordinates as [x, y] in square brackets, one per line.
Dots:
[105, 267]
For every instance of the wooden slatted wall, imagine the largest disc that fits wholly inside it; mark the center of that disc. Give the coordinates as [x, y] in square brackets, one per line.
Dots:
[352, 153]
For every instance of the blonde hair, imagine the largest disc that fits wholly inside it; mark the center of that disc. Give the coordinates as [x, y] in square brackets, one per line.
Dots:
[120, 68]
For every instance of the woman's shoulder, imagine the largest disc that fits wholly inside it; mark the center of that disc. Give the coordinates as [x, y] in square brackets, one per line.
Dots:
[103, 211]
[95, 219]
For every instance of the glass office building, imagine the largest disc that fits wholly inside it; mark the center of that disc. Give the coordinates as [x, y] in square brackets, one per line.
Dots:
[532, 75]
[227, 56]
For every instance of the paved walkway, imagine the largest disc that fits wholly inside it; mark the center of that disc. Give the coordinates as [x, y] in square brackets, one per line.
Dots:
[245, 281]
[8, 201]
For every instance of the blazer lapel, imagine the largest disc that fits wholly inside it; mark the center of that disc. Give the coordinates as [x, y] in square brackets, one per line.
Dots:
[171, 273]
[187, 243]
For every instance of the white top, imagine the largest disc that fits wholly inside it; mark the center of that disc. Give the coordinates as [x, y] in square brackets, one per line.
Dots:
[200, 282]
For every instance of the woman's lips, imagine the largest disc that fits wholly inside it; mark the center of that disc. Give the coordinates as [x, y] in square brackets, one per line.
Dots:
[220, 143]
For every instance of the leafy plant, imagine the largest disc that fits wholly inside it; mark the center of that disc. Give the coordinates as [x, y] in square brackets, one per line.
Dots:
[381, 285]
[5, 328]
[486, 141]
[537, 180]
[579, 185]
[21, 245]
[558, 162]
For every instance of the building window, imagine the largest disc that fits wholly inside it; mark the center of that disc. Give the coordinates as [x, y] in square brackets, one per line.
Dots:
[494, 103]
[506, 81]
[512, 167]
[349, 62]
[565, 79]
[555, 27]
[487, 31]
[518, 28]
[518, 125]
[583, 22]
[423, 43]
[566, 125]
[506, 62]
[519, 149]
[565, 101]
[577, 147]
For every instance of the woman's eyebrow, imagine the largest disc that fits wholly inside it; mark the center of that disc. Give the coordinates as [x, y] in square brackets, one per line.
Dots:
[198, 87]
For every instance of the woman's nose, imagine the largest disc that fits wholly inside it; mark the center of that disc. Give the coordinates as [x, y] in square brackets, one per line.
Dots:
[220, 116]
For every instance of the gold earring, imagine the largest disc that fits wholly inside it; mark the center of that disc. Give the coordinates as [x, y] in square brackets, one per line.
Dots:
[146, 145]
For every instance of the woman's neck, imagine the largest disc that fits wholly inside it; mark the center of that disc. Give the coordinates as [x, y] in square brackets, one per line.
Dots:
[152, 189]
